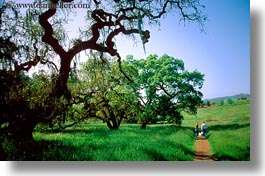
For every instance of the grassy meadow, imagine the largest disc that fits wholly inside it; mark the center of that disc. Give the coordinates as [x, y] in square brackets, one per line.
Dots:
[228, 134]
[129, 143]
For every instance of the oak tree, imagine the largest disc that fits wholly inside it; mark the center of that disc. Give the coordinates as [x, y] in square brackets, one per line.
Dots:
[167, 89]
[108, 19]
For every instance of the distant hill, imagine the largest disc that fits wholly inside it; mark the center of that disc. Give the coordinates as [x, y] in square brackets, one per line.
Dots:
[234, 97]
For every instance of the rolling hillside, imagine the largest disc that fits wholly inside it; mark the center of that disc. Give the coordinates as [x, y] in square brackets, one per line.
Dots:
[234, 97]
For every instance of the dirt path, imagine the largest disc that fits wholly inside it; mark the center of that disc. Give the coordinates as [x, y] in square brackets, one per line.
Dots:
[202, 145]
[203, 150]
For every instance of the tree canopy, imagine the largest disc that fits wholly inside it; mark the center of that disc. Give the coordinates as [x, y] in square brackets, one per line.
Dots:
[166, 88]
[110, 19]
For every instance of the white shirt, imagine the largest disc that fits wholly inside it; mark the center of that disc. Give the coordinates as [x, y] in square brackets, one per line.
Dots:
[204, 126]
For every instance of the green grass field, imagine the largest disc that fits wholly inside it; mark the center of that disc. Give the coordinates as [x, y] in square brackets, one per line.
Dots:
[129, 143]
[228, 133]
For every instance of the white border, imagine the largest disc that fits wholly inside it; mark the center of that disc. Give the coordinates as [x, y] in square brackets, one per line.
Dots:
[254, 167]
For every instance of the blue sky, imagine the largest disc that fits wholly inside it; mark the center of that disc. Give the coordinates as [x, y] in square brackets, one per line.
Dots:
[222, 53]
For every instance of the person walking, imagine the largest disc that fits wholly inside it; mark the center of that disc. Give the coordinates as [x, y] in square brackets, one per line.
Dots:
[204, 128]
[196, 129]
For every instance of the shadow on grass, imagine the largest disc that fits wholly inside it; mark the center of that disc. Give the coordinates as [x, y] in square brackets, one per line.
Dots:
[30, 150]
[104, 131]
[244, 156]
[221, 127]
[225, 156]
[75, 130]
[155, 155]
[170, 152]
[53, 150]
[230, 158]
[26, 150]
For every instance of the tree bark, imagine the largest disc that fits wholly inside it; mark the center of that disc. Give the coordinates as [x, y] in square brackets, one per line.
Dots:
[61, 88]
[144, 125]
[112, 125]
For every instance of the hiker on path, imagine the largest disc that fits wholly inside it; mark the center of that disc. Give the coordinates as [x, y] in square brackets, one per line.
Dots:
[196, 129]
[204, 128]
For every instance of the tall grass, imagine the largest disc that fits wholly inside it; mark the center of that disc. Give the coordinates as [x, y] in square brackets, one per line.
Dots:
[231, 142]
[129, 143]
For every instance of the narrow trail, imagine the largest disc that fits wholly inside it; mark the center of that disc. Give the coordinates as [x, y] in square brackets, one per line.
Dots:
[202, 145]
[203, 150]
